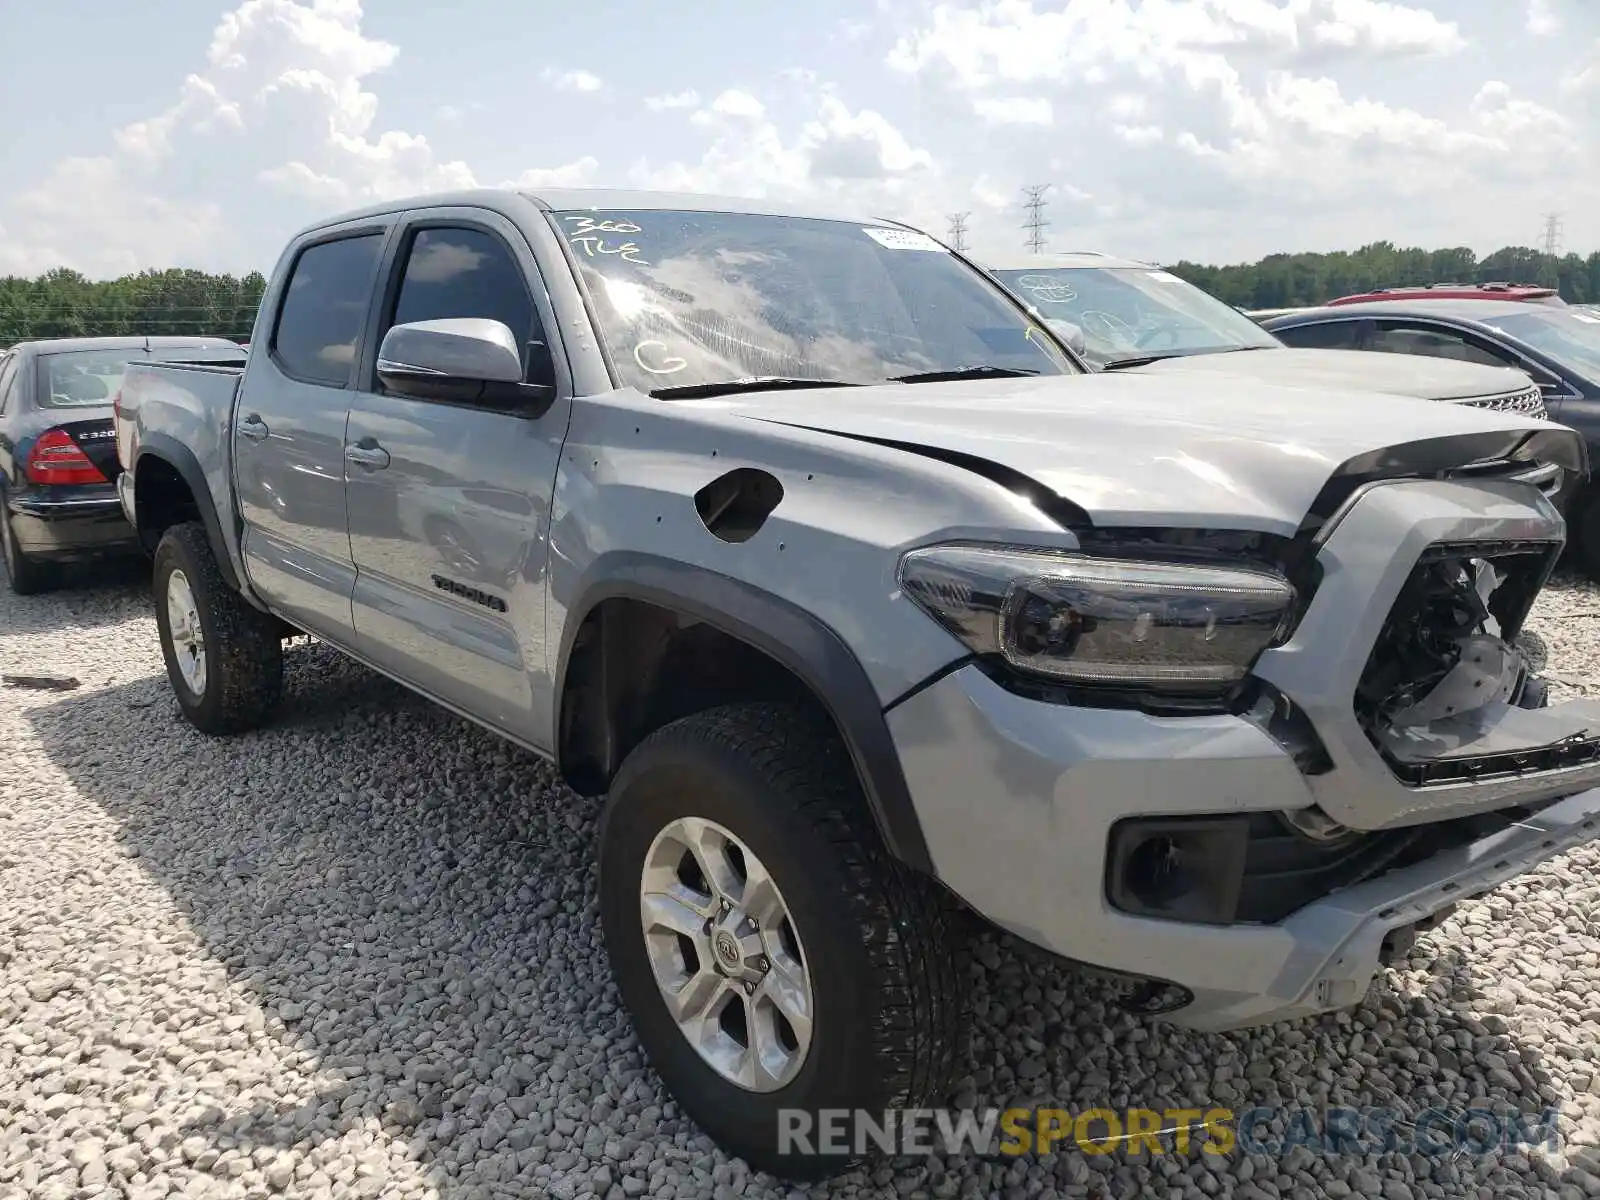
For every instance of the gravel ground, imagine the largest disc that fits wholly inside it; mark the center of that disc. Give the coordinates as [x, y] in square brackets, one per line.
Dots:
[356, 954]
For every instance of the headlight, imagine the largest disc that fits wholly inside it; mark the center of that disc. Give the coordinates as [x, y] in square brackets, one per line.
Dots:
[1099, 621]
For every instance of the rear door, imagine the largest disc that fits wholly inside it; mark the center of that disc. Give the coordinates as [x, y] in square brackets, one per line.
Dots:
[289, 424]
[449, 533]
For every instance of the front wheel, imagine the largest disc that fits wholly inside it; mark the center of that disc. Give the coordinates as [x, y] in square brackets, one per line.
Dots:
[224, 657]
[777, 962]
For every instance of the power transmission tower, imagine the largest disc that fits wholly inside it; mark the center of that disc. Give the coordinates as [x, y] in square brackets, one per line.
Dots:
[1035, 224]
[1552, 234]
[958, 231]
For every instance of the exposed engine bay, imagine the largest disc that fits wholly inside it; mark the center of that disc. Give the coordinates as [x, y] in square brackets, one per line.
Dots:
[1446, 685]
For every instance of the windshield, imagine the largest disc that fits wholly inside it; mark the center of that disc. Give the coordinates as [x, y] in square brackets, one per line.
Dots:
[1571, 336]
[689, 298]
[1136, 312]
[82, 378]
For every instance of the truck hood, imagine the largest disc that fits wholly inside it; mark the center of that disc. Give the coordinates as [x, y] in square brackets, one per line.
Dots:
[1164, 449]
[1355, 370]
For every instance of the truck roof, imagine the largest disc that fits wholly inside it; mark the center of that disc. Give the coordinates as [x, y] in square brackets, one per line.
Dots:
[558, 199]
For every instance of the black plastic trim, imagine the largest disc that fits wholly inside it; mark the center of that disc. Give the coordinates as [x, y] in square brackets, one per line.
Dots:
[916, 689]
[792, 637]
[181, 459]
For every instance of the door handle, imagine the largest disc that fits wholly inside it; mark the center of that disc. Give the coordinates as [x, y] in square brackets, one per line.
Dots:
[367, 453]
[252, 427]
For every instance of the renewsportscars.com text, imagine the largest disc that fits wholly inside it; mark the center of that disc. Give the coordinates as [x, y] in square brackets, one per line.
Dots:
[1268, 1131]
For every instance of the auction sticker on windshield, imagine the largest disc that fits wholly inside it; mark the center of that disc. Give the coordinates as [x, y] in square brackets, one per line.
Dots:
[1163, 276]
[901, 239]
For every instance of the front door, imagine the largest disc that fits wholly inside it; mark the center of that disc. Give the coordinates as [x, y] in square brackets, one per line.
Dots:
[288, 434]
[450, 503]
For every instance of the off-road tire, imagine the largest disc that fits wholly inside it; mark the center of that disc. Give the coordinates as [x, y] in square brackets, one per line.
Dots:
[887, 957]
[27, 576]
[244, 653]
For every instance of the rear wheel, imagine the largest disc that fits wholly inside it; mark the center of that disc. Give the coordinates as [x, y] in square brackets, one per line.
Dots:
[25, 575]
[776, 960]
[224, 657]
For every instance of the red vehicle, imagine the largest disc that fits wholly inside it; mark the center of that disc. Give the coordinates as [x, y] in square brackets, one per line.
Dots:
[1526, 292]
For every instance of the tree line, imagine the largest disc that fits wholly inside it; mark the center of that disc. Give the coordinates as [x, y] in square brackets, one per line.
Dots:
[64, 303]
[1293, 280]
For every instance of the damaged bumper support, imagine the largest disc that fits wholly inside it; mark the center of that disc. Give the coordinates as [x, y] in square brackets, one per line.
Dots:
[1423, 786]
[1394, 755]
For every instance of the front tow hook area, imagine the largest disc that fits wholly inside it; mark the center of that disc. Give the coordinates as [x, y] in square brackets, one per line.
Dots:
[1397, 943]
[1153, 997]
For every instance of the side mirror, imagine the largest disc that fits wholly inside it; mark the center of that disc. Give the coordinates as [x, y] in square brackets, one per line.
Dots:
[1069, 333]
[463, 360]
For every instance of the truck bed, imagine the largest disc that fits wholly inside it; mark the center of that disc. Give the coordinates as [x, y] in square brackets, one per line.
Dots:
[187, 408]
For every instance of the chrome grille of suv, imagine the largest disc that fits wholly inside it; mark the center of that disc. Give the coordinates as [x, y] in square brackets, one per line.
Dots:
[1527, 403]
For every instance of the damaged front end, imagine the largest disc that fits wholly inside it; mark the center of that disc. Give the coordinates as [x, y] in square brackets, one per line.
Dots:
[1448, 695]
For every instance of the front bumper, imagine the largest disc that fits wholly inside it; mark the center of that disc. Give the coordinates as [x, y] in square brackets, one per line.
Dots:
[59, 523]
[1017, 805]
[1018, 798]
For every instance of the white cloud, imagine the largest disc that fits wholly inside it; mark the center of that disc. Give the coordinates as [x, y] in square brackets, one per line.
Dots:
[1014, 110]
[1376, 27]
[447, 113]
[580, 173]
[672, 100]
[734, 103]
[852, 158]
[1139, 135]
[1013, 41]
[277, 128]
[81, 215]
[572, 81]
[1209, 129]
[1189, 115]
[1542, 19]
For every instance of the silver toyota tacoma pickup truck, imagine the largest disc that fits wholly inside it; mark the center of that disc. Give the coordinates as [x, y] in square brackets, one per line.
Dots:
[867, 604]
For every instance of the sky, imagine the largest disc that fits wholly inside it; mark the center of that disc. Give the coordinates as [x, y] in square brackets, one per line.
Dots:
[1208, 130]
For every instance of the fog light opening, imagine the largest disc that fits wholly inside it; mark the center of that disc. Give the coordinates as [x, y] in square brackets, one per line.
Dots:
[1159, 871]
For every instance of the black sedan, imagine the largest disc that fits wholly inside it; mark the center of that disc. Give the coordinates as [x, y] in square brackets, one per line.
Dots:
[58, 450]
[1559, 348]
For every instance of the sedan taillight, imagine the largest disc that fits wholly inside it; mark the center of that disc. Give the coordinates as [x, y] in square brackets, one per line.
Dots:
[56, 458]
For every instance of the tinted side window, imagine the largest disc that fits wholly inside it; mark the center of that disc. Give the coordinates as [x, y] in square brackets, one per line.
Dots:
[324, 308]
[1324, 335]
[1433, 343]
[466, 273]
